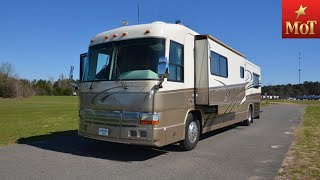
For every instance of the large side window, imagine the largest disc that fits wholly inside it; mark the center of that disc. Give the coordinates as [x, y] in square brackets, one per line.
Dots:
[255, 81]
[218, 65]
[102, 65]
[214, 65]
[175, 62]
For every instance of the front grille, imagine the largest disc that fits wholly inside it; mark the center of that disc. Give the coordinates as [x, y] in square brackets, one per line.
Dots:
[113, 118]
[107, 117]
[130, 118]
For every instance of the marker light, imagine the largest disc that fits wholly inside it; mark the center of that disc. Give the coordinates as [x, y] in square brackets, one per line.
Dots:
[115, 35]
[106, 37]
[144, 122]
[92, 40]
[124, 34]
[147, 31]
[150, 119]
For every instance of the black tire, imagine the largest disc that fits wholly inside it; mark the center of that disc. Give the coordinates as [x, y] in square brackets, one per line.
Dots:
[188, 144]
[248, 121]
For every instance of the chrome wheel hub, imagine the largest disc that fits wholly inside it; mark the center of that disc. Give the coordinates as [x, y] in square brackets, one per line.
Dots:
[250, 116]
[192, 132]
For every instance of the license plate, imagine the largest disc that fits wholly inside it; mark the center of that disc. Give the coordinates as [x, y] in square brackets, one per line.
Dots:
[103, 132]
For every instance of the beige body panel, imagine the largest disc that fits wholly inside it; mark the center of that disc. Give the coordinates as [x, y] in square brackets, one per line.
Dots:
[228, 98]
[172, 107]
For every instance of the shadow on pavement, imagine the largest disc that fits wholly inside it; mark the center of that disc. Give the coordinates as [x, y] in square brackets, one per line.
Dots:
[219, 131]
[70, 142]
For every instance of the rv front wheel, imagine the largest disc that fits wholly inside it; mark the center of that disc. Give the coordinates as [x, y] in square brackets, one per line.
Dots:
[192, 133]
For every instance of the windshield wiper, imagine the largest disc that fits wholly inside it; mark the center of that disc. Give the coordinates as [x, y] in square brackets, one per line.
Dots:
[118, 76]
[117, 70]
[93, 81]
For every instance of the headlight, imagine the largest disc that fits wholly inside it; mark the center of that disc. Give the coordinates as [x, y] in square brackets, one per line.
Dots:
[149, 118]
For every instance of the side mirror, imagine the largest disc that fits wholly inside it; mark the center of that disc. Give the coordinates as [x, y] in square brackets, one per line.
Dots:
[163, 65]
[74, 85]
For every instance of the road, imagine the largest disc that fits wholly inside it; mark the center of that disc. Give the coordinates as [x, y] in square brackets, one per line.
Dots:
[236, 152]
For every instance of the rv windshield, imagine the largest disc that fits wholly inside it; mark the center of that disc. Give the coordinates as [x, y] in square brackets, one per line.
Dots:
[135, 59]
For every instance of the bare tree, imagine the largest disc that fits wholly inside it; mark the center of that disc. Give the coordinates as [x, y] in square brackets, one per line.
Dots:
[8, 87]
[51, 79]
[61, 77]
[7, 69]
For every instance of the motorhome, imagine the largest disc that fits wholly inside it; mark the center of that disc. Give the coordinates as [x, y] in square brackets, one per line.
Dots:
[159, 83]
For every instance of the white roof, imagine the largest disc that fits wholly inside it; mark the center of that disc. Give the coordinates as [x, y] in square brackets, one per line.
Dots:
[157, 29]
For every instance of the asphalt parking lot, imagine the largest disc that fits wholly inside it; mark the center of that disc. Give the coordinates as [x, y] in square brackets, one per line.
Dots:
[235, 152]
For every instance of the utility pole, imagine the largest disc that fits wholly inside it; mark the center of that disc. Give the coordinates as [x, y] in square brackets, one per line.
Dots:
[71, 73]
[299, 70]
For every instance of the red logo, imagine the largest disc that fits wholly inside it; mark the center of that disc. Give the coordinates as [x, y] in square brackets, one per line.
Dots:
[300, 18]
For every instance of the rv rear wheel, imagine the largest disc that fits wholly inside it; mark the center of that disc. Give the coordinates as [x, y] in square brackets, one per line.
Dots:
[192, 133]
[250, 117]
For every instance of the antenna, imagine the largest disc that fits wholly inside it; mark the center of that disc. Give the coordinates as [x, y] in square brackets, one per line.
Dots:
[299, 70]
[138, 8]
[156, 4]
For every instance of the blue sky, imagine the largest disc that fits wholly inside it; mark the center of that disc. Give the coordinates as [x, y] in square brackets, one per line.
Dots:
[43, 38]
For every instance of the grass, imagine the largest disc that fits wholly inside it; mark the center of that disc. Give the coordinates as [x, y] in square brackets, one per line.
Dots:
[35, 116]
[303, 159]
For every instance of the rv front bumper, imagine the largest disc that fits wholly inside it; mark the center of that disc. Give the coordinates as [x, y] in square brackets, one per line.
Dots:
[120, 127]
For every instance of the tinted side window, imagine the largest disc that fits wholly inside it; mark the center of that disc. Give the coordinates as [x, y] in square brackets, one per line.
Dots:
[176, 62]
[84, 64]
[102, 65]
[223, 66]
[255, 81]
[241, 72]
[218, 65]
[215, 65]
